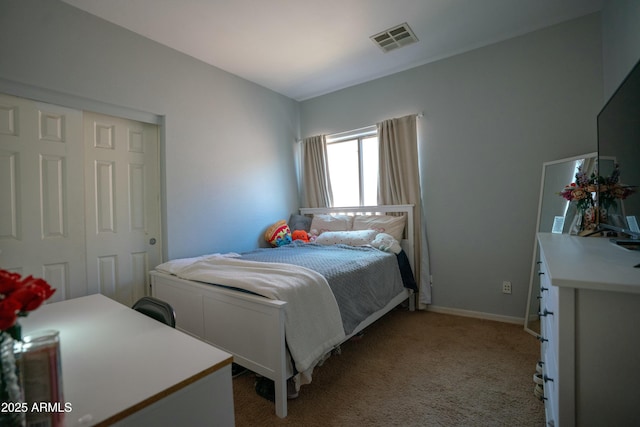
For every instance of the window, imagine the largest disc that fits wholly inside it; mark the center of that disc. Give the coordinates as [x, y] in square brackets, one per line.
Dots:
[353, 167]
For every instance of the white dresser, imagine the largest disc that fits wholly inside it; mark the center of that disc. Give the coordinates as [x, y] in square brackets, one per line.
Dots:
[590, 331]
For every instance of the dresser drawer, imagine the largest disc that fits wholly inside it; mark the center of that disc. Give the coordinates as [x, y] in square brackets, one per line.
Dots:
[547, 294]
[548, 306]
[549, 343]
[549, 370]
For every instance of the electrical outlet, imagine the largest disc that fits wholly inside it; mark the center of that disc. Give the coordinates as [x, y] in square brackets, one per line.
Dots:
[506, 287]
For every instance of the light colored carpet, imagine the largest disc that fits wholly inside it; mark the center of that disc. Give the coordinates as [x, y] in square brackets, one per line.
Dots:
[414, 369]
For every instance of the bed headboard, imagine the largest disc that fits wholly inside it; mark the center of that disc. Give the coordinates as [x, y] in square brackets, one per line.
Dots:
[407, 210]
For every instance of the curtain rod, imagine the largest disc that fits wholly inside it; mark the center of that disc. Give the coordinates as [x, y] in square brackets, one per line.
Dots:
[418, 115]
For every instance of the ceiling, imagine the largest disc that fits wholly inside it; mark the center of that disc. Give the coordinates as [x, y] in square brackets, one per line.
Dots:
[306, 48]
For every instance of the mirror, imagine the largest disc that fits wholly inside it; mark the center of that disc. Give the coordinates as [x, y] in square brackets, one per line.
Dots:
[556, 215]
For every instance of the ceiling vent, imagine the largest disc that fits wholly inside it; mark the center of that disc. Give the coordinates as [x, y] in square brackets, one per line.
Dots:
[393, 38]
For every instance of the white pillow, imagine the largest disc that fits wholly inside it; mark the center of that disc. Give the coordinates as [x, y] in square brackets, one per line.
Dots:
[393, 225]
[385, 242]
[351, 238]
[323, 222]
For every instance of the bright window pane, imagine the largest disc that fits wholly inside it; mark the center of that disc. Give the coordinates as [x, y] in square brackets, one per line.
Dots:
[343, 171]
[370, 171]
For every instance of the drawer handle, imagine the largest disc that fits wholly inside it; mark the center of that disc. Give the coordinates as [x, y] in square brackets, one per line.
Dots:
[542, 339]
[538, 262]
[545, 313]
[542, 289]
[546, 379]
[538, 391]
[540, 273]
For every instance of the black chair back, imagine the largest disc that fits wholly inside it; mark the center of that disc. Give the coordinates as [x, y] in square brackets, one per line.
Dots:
[156, 309]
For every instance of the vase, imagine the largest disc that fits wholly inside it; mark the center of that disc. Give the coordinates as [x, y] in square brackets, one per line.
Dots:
[12, 409]
[603, 215]
[586, 220]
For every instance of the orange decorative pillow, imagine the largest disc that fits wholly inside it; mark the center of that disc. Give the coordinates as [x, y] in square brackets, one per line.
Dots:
[278, 234]
[300, 235]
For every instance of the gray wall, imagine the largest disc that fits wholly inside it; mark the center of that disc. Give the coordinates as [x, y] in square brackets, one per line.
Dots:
[227, 143]
[620, 41]
[492, 116]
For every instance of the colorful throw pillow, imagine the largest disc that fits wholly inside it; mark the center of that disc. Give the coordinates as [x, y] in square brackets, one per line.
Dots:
[278, 234]
[393, 225]
[351, 238]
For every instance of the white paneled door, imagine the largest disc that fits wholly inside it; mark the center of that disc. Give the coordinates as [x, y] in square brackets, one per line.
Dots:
[79, 199]
[41, 203]
[123, 205]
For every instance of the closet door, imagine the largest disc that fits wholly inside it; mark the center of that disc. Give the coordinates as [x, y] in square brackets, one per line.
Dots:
[42, 194]
[123, 205]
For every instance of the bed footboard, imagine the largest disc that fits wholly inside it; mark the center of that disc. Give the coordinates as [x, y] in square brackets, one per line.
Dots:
[249, 327]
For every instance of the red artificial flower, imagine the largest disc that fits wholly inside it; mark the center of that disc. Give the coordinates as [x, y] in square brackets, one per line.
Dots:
[8, 313]
[19, 296]
[32, 293]
[8, 281]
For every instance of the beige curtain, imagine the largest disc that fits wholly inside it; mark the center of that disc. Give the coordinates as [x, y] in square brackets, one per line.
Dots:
[399, 183]
[316, 184]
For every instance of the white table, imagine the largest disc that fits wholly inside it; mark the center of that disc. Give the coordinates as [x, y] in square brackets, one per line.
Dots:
[122, 367]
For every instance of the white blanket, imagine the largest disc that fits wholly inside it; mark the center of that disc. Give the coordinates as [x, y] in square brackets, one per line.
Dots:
[313, 324]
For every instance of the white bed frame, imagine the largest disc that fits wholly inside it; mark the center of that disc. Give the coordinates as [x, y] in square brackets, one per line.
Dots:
[252, 327]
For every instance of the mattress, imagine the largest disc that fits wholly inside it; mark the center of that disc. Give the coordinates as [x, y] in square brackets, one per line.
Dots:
[363, 279]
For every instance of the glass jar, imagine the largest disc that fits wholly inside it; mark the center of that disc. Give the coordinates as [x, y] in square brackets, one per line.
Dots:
[12, 406]
[40, 365]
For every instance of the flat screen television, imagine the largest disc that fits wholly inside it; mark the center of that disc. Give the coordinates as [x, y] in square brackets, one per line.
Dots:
[619, 138]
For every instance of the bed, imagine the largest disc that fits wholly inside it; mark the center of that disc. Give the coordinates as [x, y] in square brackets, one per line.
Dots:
[269, 335]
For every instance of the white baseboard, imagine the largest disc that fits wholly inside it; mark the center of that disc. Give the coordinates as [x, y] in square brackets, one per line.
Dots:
[476, 314]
